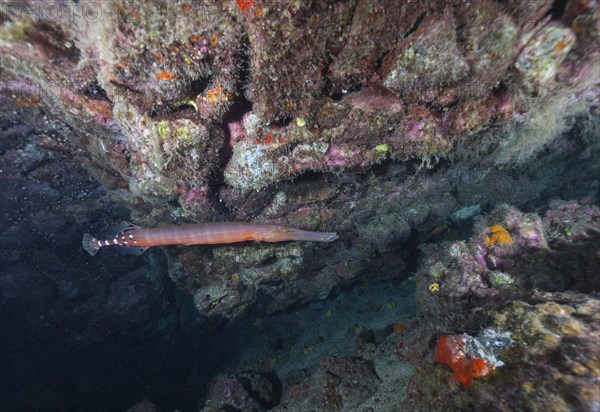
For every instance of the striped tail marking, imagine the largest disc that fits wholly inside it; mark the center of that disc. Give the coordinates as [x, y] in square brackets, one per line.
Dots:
[92, 245]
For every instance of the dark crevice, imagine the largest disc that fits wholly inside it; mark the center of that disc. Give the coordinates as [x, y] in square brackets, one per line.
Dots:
[185, 111]
[415, 26]
[3, 18]
[380, 169]
[435, 108]
[234, 115]
[380, 61]
[94, 91]
[181, 110]
[197, 87]
[308, 176]
[460, 32]
[410, 31]
[558, 9]
[337, 96]
[172, 113]
[500, 89]
[265, 402]
[282, 121]
[267, 262]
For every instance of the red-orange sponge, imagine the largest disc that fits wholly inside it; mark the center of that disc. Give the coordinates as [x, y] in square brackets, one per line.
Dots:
[450, 350]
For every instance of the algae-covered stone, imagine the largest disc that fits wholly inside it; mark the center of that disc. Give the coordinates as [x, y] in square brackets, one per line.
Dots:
[428, 57]
[543, 54]
[252, 167]
[500, 278]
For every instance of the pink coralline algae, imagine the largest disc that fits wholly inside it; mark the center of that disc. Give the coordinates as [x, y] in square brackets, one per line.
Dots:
[339, 155]
[195, 195]
[236, 132]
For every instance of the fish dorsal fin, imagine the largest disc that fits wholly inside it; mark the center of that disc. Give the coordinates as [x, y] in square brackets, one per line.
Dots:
[120, 227]
[126, 250]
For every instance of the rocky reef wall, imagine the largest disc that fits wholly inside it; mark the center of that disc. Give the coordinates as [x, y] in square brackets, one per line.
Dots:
[395, 124]
[369, 118]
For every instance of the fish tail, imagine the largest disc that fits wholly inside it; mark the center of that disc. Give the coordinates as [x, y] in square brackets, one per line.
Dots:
[90, 244]
[297, 234]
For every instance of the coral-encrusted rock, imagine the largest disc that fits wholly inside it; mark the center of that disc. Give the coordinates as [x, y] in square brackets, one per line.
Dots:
[581, 64]
[488, 40]
[290, 45]
[513, 254]
[528, 13]
[471, 116]
[563, 328]
[572, 223]
[477, 274]
[515, 278]
[337, 384]
[573, 233]
[552, 363]
[426, 61]
[543, 54]
[385, 21]
[244, 391]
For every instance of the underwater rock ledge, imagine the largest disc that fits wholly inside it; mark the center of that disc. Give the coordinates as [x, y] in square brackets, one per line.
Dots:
[278, 113]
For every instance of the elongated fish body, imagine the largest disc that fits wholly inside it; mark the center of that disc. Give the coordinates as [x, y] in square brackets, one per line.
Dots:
[139, 239]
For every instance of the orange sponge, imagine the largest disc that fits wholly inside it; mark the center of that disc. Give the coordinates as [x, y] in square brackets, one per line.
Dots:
[498, 235]
[450, 351]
